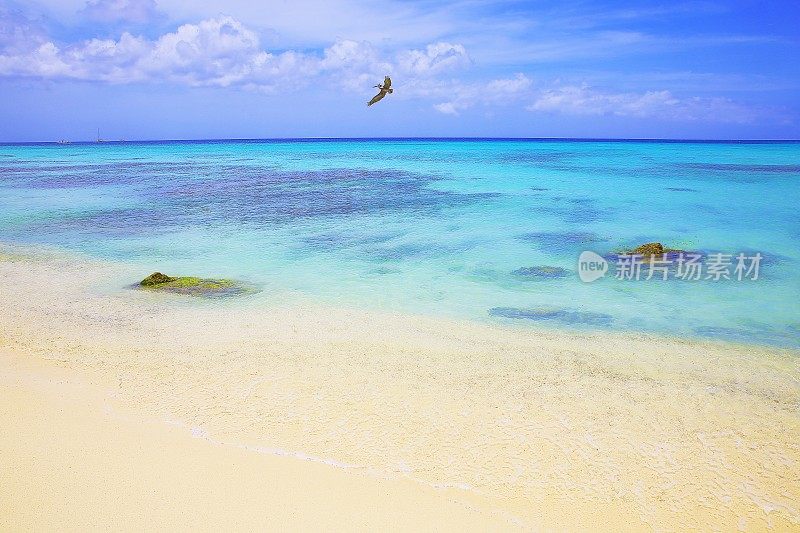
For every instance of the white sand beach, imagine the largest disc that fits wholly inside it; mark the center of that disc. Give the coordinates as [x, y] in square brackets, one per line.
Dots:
[128, 410]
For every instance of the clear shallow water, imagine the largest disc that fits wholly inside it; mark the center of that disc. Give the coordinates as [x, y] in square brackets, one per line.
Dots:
[433, 227]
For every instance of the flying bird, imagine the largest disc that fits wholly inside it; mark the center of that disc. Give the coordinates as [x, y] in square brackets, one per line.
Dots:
[385, 89]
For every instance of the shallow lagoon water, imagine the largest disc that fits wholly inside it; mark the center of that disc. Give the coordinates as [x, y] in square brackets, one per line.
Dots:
[433, 226]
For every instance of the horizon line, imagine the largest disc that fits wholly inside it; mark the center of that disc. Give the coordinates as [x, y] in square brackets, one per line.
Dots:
[445, 138]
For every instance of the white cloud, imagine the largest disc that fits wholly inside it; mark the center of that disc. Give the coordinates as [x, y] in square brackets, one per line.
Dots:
[213, 52]
[435, 58]
[223, 52]
[500, 91]
[584, 100]
[503, 88]
[356, 64]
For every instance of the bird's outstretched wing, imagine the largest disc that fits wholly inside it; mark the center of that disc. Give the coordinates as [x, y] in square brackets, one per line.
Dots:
[387, 82]
[377, 97]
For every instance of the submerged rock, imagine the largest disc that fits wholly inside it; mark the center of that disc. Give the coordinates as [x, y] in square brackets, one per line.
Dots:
[653, 249]
[194, 286]
[541, 272]
[649, 248]
[566, 316]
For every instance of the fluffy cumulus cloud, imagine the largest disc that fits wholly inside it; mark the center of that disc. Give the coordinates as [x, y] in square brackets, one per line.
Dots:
[219, 51]
[224, 52]
[584, 100]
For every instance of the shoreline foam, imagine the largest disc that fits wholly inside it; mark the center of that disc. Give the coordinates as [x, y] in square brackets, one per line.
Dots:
[551, 428]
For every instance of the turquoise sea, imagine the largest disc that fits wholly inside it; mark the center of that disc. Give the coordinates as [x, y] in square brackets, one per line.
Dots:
[448, 227]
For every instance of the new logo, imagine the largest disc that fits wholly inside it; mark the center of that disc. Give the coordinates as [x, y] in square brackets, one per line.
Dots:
[591, 266]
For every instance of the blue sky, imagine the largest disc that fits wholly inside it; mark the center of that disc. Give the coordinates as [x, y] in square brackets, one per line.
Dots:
[179, 69]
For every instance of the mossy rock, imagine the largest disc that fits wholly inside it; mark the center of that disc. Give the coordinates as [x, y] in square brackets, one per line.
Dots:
[156, 278]
[653, 249]
[194, 286]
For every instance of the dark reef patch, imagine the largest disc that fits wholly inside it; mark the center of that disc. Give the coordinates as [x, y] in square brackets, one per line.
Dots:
[326, 242]
[415, 250]
[762, 335]
[383, 271]
[164, 197]
[681, 189]
[280, 197]
[482, 274]
[541, 272]
[114, 223]
[565, 316]
[737, 167]
[536, 157]
[768, 259]
[573, 210]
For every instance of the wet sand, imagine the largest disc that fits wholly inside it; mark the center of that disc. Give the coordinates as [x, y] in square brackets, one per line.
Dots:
[403, 421]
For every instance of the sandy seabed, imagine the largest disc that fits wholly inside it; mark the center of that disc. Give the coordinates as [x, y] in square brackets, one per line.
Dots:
[127, 409]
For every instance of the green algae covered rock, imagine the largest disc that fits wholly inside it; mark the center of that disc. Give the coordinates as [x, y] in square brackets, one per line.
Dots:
[156, 278]
[194, 286]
